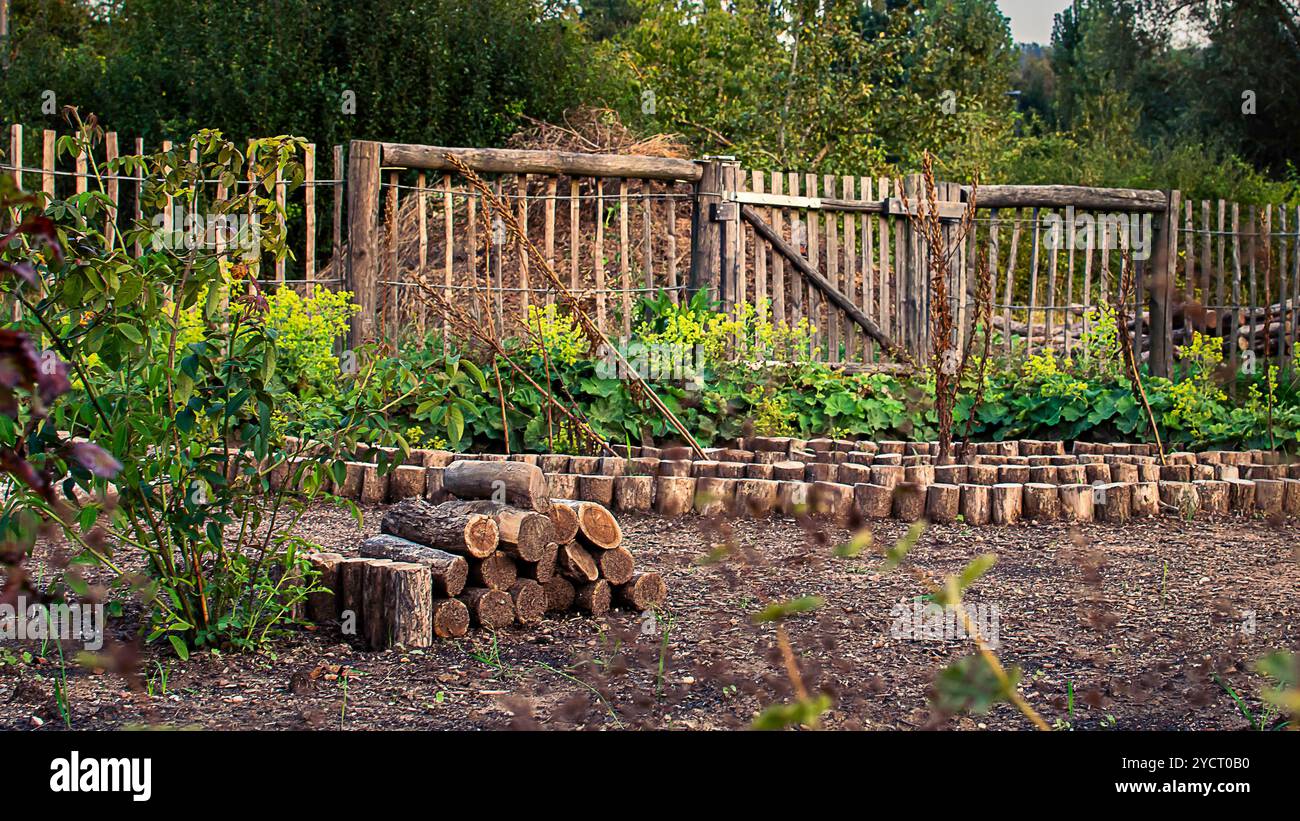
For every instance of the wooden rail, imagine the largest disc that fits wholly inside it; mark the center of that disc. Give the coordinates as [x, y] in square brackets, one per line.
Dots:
[1082, 198]
[519, 161]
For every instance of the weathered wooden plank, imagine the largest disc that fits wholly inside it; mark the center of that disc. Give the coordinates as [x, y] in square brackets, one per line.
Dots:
[111, 189]
[525, 283]
[814, 276]
[870, 282]
[575, 237]
[388, 314]
[598, 254]
[47, 163]
[520, 161]
[363, 227]
[1080, 196]
[1033, 284]
[760, 254]
[309, 213]
[1017, 218]
[778, 264]
[336, 246]
[830, 324]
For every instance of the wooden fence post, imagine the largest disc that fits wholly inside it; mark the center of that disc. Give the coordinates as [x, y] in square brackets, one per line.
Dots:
[706, 235]
[1162, 268]
[363, 238]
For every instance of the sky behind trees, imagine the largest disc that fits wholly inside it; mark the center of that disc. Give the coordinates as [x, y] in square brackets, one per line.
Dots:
[1031, 20]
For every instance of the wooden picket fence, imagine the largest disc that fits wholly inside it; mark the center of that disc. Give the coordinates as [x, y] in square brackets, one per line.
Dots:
[319, 201]
[838, 252]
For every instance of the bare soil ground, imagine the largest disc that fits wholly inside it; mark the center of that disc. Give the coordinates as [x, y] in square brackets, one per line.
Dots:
[1141, 622]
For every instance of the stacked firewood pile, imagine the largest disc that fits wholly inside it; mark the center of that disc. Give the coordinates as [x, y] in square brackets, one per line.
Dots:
[501, 553]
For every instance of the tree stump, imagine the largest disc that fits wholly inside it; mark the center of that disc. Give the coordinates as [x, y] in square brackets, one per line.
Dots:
[831, 500]
[529, 601]
[515, 483]
[1181, 496]
[596, 489]
[1097, 474]
[374, 603]
[675, 495]
[788, 471]
[553, 463]
[448, 526]
[562, 486]
[1291, 497]
[714, 496]
[584, 465]
[1112, 502]
[593, 598]
[1006, 501]
[1215, 496]
[322, 606]
[495, 572]
[408, 613]
[974, 503]
[792, 498]
[887, 475]
[450, 618]
[350, 595]
[729, 470]
[950, 474]
[643, 592]
[448, 571]
[755, 498]
[1144, 499]
[616, 566]
[675, 467]
[490, 609]
[1269, 497]
[872, 501]
[1241, 496]
[559, 593]
[906, 503]
[374, 486]
[634, 494]
[434, 492]
[406, 482]
[1041, 502]
[942, 503]
[1076, 502]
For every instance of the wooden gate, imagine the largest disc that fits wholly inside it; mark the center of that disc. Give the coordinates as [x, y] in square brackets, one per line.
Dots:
[840, 253]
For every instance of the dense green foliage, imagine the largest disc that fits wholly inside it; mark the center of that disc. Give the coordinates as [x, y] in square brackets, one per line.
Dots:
[1142, 93]
[726, 377]
[172, 381]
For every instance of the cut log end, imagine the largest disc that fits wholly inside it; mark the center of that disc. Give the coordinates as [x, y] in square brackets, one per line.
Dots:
[490, 609]
[450, 618]
[643, 592]
[529, 601]
[594, 598]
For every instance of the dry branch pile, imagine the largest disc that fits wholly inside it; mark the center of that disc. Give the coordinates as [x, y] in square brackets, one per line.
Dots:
[503, 553]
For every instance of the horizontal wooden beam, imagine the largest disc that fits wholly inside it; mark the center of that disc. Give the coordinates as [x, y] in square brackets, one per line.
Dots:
[809, 203]
[519, 161]
[1083, 198]
[947, 210]
[814, 276]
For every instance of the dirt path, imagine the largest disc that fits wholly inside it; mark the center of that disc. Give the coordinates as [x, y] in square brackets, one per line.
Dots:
[1137, 621]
